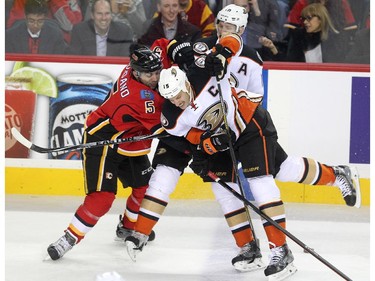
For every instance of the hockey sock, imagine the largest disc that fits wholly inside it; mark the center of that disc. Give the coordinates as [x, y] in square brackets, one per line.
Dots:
[132, 206]
[87, 215]
[317, 173]
[151, 210]
[240, 227]
[276, 211]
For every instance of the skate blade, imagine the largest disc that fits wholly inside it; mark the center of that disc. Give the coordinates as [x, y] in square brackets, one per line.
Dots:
[132, 250]
[244, 266]
[357, 186]
[284, 274]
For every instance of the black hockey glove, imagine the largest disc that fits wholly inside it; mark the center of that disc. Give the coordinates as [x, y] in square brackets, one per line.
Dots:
[200, 163]
[216, 62]
[212, 142]
[181, 53]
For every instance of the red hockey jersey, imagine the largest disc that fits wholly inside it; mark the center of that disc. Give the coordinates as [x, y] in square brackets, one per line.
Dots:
[130, 109]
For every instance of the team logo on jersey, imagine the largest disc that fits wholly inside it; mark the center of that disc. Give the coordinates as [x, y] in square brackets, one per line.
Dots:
[160, 151]
[200, 61]
[164, 121]
[158, 50]
[200, 48]
[212, 118]
[147, 95]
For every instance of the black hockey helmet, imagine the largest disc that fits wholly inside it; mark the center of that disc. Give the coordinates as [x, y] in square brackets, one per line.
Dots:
[142, 59]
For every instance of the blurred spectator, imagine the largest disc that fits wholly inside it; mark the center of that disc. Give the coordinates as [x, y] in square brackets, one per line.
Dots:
[150, 7]
[339, 11]
[35, 34]
[215, 6]
[101, 36]
[168, 24]
[199, 13]
[129, 12]
[360, 50]
[66, 12]
[317, 41]
[8, 6]
[263, 21]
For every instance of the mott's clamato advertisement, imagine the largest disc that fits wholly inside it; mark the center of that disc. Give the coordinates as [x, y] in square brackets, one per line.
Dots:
[70, 98]
[78, 96]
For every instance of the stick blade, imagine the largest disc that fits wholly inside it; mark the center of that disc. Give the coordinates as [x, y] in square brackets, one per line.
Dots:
[20, 138]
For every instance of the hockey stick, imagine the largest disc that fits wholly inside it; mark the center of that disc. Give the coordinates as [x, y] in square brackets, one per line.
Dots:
[233, 156]
[25, 142]
[275, 224]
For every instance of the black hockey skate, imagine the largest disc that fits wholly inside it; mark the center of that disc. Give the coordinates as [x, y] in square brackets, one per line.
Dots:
[122, 232]
[281, 264]
[135, 243]
[249, 258]
[60, 247]
[344, 181]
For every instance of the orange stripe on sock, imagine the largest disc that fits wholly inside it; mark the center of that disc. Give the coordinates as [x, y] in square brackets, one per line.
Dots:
[144, 225]
[243, 237]
[328, 177]
[276, 236]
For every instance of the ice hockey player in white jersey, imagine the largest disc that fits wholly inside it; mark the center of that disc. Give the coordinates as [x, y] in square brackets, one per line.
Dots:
[194, 112]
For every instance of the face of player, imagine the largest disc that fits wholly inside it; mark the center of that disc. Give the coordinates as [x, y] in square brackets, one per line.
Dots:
[312, 24]
[169, 10]
[224, 28]
[182, 100]
[150, 79]
[35, 22]
[102, 16]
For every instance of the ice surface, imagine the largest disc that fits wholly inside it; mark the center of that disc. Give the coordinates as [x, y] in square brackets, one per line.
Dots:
[193, 243]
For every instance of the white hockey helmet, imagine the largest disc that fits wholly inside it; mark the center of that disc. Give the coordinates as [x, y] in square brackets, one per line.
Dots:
[233, 14]
[172, 82]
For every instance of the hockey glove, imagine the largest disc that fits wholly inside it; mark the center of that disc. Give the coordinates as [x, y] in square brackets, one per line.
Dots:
[213, 142]
[181, 53]
[216, 62]
[199, 165]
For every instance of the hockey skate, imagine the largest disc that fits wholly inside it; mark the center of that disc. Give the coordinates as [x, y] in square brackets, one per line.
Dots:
[249, 258]
[281, 264]
[347, 180]
[60, 247]
[122, 232]
[135, 243]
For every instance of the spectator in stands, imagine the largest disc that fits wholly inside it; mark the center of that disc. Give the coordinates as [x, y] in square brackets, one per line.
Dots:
[263, 21]
[339, 11]
[101, 36]
[199, 13]
[360, 50]
[168, 24]
[130, 12]
[150, 8]
[215, 6]
[318, 41]
[8, 7]
[67, 13]
[35, 34]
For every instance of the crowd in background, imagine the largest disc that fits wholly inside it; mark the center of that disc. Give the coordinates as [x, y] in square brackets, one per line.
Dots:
[335, 31]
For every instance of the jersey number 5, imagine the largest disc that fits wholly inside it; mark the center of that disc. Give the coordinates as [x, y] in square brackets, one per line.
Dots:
[149, 107]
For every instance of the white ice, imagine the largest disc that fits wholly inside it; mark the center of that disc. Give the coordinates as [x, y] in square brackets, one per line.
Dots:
[193, 243]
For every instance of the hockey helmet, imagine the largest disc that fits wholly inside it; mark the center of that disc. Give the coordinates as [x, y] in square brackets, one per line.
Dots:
[233, 14]
[145, 60]
[172, 82]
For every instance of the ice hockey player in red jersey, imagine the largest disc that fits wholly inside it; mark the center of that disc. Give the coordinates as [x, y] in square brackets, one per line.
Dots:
[131, 108]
